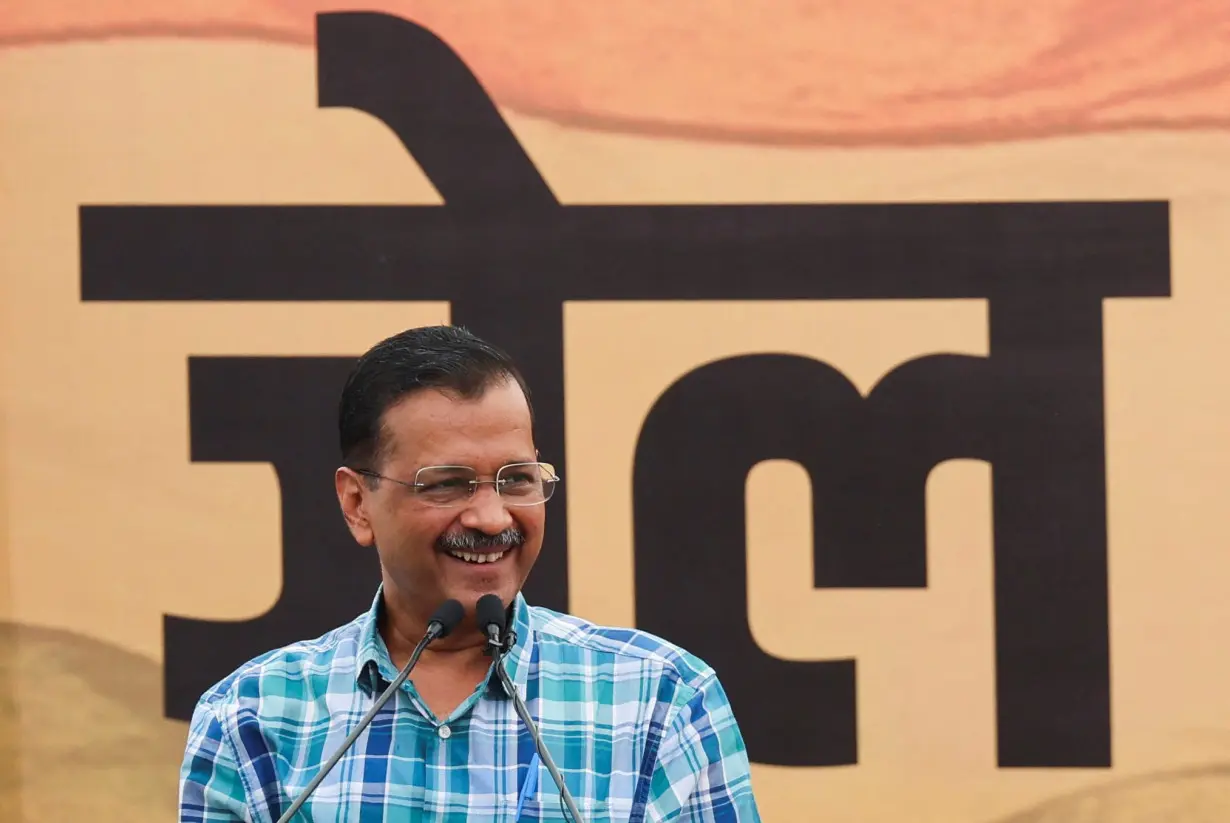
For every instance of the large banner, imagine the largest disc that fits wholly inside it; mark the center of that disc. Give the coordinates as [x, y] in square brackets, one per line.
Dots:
[879, 347]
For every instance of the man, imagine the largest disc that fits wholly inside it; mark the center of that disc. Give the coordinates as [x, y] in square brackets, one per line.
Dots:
[441, 476]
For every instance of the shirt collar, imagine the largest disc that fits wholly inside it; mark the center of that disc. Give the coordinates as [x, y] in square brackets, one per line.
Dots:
[519, 658]
[373, 663]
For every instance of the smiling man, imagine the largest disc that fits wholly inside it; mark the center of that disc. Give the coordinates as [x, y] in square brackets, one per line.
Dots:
[441, 476]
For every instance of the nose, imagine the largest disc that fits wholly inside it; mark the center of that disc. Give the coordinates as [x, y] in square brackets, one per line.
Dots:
[486, 512]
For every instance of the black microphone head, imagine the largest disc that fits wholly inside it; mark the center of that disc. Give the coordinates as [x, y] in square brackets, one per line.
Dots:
[447, 616]
[489, 611]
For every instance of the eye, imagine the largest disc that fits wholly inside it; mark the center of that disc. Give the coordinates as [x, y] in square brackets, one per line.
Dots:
[519, 484]
[446, 488]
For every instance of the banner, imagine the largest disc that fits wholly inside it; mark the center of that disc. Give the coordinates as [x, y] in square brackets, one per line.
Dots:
[891, 333]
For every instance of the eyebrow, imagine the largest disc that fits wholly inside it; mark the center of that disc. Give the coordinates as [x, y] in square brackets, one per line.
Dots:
[461, 465]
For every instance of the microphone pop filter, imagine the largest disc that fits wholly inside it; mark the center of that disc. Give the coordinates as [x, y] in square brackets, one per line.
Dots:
[489, 610]
[448, 615]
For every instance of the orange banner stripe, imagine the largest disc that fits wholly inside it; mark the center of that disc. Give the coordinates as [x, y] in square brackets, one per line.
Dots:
[893, 72]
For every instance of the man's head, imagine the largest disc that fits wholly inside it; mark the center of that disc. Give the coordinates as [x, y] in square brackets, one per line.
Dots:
[422, 414]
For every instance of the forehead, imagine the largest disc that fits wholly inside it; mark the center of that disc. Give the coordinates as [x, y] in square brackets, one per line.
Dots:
[433, 427]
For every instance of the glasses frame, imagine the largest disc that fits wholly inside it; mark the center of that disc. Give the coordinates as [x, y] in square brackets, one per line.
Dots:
[416, 487]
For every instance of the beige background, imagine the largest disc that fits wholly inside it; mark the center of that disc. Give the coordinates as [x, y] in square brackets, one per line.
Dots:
[106, 525]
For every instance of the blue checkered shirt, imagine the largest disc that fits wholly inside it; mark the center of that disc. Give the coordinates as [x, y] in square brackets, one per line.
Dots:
[640, 729]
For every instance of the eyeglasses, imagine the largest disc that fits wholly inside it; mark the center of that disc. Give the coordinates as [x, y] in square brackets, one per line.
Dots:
[518, 484]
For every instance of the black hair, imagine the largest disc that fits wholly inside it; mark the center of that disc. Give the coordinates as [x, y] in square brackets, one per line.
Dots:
[447, 358]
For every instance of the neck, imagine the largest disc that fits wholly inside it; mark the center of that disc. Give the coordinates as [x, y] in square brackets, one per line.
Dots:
[403, 629]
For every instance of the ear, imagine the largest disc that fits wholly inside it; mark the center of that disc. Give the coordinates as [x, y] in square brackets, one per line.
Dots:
[353, 496]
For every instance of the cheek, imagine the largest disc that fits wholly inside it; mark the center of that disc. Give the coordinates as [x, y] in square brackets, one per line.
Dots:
[405, 530]
[532, 522]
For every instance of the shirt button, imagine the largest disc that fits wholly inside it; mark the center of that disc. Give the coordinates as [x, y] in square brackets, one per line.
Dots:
[445, 732]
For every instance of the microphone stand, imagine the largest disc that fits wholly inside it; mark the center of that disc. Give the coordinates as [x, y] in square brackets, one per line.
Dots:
[434, 632]
[499, 649]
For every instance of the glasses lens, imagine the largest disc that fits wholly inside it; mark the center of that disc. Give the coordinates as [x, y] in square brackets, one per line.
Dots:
[524, 484]
[445, 485]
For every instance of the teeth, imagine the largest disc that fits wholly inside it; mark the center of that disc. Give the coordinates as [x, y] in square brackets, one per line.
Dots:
[478, 558]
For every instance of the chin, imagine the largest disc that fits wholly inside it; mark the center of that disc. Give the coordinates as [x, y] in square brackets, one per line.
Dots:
[468, 592]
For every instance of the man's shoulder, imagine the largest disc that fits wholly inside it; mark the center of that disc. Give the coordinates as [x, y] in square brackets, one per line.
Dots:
[288, 670]
[617, 643]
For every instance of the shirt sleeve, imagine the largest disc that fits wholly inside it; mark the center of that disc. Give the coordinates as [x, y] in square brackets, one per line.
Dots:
[703, 774]
[210, 788]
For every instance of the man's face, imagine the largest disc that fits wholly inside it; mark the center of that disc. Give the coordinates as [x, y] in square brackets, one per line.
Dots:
[417, 541]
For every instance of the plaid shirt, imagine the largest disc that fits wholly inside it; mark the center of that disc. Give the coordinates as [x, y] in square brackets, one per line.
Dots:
[640, 729]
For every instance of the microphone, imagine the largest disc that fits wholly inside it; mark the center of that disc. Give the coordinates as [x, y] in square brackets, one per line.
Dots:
[493, 620]
[445, 619]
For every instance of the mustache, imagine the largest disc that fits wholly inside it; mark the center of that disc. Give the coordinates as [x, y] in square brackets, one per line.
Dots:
[473, 540]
